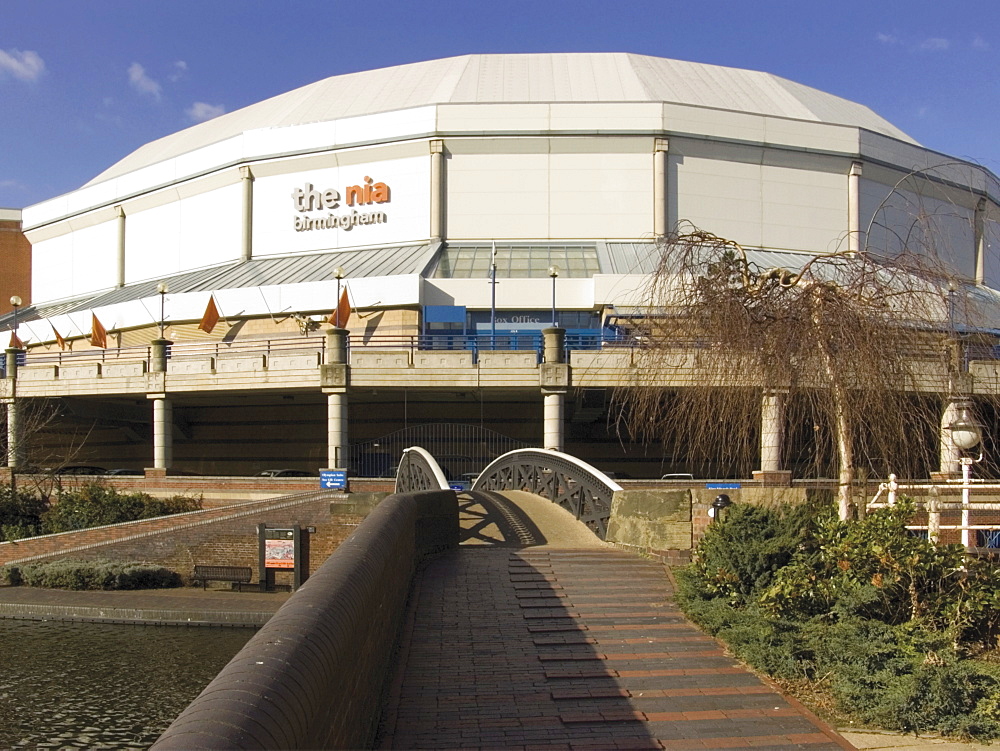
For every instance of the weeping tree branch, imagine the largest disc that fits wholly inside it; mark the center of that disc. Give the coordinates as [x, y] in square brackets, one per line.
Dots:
[854, 343]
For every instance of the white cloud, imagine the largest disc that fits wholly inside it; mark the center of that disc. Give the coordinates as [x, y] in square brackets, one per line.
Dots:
[978, 43]
[27, 66]
[935, 44]
[199, 112]
[142, 83]
[180, 68]
[887, 38]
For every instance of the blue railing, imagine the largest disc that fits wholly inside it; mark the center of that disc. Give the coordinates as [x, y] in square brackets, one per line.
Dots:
[527, 341]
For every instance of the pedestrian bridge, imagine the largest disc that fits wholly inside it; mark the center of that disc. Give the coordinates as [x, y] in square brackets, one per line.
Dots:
[491, 617]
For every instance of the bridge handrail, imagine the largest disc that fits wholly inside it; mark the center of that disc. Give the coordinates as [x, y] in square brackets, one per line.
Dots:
[580, 488]
[314, 675]
[419, 470]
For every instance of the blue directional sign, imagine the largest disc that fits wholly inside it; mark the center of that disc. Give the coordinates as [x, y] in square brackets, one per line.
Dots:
[722, 485]
[333, 479]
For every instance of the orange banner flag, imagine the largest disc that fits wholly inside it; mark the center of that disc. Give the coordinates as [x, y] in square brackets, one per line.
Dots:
[15, 341]
[211, 316]
[342, 314]
[98, 334]
[59, 338]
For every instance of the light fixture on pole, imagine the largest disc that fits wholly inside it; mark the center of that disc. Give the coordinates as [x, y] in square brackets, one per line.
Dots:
[15, 301]
[162, 289]
[966, 435]
[554, 272]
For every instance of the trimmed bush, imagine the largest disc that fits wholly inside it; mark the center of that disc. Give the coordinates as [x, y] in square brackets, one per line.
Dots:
[68, 574]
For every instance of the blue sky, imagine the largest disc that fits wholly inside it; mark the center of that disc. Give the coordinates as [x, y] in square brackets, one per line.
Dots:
[82, 84]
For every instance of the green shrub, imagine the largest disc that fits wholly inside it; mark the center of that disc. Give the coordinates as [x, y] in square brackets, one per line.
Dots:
[879, 621]
[742, 552]
[68, 574]
[20, 513]
[95, 504]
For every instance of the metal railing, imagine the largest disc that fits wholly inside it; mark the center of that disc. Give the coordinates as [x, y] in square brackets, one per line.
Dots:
[581, 489]
[476, 343]
[934, 505]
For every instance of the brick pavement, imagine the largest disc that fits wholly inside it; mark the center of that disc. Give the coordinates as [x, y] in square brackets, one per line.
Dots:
[551, 647]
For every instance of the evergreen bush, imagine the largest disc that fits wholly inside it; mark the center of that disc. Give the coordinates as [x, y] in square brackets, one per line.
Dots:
[78, 575]
[882, 623]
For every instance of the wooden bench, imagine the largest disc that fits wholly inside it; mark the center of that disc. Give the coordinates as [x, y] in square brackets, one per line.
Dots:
[237, 574]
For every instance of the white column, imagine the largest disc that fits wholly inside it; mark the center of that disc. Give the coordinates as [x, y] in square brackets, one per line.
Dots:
[855, 242]
[246, 238]
[552, 432]
[437, 190]
[980, 241]
[13, 439]
[336, 430]
[660, 146]
[120, 213]
[772, 430]
[163, 433]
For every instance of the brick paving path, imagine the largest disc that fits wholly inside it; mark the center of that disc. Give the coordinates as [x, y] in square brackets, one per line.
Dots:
[549, 647]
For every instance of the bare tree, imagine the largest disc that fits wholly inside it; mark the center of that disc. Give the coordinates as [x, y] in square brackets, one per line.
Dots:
[855, 345]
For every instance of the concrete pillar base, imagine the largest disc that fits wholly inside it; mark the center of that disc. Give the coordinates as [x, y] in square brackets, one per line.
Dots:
[775, 478]
[155, 472]
[6, 473]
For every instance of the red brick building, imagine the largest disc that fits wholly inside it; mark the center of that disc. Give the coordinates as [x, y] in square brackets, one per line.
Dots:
[15, 260]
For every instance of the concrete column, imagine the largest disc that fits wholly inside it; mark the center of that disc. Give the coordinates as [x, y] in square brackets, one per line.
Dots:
[979, 224]
[554, 340]
[337, 444]
[855, 242]
[246, 238]
[163, 432]
[772, 430]
[158, 355]
[438, 198]
[772, 440]
[336, 346]
[120, 213]
[660, 146]
[554, 381]
[552, 430]
[12, 355]
[13, 435]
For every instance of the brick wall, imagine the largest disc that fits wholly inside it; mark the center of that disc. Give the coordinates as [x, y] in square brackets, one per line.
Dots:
[15, 260]
[224, 536]
[314, 676]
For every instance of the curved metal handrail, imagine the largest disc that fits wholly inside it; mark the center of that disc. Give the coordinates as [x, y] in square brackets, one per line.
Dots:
[581, 489]
[418, 470]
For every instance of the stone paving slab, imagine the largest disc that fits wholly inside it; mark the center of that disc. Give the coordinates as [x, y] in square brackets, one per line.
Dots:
[532, 640]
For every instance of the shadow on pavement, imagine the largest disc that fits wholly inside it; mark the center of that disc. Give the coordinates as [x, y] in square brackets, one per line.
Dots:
[488, 518]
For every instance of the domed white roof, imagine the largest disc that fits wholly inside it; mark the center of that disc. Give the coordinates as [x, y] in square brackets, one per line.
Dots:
[522, 78]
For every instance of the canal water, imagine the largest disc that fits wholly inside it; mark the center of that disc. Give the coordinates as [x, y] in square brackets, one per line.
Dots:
[98, 686]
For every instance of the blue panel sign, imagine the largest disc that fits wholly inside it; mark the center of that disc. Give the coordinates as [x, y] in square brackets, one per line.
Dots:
[722, 485]
[333, 479]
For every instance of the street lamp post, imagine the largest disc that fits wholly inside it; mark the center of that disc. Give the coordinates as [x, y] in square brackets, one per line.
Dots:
[15, 301]
[554, 272]
[966, 435]
[162, 289]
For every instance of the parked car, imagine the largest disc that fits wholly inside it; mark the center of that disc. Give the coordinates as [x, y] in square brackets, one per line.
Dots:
[122, 472]
[80, 469]
[286, 473]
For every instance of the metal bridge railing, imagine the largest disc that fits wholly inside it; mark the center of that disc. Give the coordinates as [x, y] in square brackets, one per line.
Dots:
[581, 489]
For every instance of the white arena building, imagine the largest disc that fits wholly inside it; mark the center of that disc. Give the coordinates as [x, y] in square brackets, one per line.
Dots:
[414, 181]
